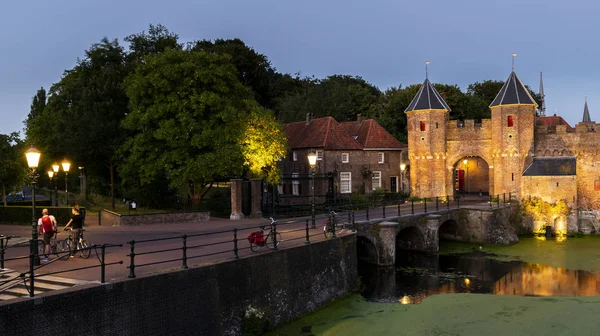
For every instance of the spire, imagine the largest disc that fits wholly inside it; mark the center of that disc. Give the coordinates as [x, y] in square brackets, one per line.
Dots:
[542, 109]
[513, 61]
[427, 99]
[586, 112]
[426, 71]
[513, 92]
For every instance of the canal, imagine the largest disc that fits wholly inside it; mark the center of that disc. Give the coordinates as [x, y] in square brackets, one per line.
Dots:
[533, 287]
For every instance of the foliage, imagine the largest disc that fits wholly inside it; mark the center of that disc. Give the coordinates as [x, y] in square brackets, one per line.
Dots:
[12, 163]
[155, 41]
[541, 210]
[21, 215]
[255, 322]
[415, 199]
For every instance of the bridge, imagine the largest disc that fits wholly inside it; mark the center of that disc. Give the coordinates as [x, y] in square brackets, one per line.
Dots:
[379, 239]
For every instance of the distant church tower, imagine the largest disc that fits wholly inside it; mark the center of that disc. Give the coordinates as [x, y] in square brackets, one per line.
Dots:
[513, 121]
[427, 116]
[542, 109]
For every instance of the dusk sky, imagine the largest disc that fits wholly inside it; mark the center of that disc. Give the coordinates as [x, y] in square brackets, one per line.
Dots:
[385, 42]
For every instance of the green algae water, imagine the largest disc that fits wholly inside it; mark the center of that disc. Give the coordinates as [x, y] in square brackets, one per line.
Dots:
[535, 287]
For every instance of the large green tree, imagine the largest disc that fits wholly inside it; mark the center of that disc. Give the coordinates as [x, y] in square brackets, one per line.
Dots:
[189, 117]
[12, 163]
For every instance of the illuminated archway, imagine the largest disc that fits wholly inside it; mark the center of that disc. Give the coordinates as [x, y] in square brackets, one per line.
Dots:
[471, 175]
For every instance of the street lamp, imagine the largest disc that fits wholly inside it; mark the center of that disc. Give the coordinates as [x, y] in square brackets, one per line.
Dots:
[51, 175]
[33, 158]
[312, 161]
[402, 169]
[66, 165]
[55, 168]
[465, 161]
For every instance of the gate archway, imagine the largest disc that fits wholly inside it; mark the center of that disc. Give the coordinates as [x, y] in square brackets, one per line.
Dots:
[471, 175]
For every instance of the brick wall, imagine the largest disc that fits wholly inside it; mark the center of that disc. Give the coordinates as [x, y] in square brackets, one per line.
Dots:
[209, 300]
[109, 218]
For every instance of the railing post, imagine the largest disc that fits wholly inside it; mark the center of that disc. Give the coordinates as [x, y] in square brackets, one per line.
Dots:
[398, 208]
[509, 197]
[235, 244]
[367, 212]
[458, 201]
[184, 249]
[412, 206]
[425, 202]
[307, 236]
[102, 263]
[100, 217]
[2, 237]
[448, 202]
[498, 201]
[274, 236]
[383, 209]
[353, 222]
[333, 224]
[437, 203]
[31, 276]
[132, 260]
[491, 201]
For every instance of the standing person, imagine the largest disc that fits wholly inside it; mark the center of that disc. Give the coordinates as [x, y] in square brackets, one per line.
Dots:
[76, 223]
[46, 229]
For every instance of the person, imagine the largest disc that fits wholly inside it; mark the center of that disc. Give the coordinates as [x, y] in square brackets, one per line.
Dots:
[46, 229]
[76, 223]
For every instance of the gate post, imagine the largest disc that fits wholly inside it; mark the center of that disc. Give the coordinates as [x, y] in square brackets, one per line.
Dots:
[387, 248]
[236, 200]
[256, 187]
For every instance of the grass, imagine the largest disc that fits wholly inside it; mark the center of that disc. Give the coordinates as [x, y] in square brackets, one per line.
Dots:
[95, 203]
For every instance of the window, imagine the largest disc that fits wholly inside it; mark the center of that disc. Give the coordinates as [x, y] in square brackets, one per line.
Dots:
[510, 121]
[422, 126]
[376, 182]
[319, 155]
[295, 184]
[280, 189]
[512, 176]
[345, 157]
[436, 125]
[294, 156]
[380, 157]
[345, 183]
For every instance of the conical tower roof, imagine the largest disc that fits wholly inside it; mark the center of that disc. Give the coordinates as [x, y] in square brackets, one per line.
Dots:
[586, 112]
[427, 99]
[513, 92]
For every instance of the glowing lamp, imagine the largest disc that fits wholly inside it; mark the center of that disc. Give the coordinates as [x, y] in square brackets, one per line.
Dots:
[312, 159]
[465, 161]
[33, 157]
[402, 167]
[467, 281]
[66, 165]
[50, 174]
[405, 300]
[55, 168]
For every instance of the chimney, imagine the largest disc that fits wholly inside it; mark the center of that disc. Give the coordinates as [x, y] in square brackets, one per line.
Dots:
[359, 118]
[308, 117]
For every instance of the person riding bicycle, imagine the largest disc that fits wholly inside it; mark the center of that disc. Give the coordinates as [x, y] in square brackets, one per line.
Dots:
[46, 228]
[76, 223]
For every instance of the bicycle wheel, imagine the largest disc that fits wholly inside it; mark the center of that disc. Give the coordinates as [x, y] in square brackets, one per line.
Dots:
[270, 240]
[41, 247]
[66, 245]
[85, 250]
[327, 232]
[254, 247]
[61, 252]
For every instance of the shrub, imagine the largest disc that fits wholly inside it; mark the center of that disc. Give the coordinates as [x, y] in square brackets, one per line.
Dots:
[21, 215]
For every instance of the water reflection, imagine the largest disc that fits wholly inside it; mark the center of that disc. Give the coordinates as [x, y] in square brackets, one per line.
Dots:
[418, 275]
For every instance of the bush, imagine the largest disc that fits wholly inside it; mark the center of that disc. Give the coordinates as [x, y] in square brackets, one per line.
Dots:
[21, 215]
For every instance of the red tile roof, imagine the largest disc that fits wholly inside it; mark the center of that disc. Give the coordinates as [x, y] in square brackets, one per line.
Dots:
[371, 135]
[324, 133]
[553, 121]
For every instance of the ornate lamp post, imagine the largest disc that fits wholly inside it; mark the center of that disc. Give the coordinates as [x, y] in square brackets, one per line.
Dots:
[402, 170]
[55, 168]
[33, 158]
[51, 175]
[465, 161]
[312, 161]
[66, 165]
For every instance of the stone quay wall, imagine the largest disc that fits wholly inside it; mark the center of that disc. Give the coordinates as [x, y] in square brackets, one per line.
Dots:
[110, 218]
[210, 300]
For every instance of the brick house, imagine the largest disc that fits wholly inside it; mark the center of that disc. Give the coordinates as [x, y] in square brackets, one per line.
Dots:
[360, 156]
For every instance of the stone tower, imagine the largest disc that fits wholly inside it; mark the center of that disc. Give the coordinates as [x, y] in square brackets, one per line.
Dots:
[426, 120]
[513, 122]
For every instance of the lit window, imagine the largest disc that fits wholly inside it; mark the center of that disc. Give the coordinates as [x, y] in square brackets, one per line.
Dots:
[295, 184]
[376, 180]
[294, 156]
[510, 121]
[422, 126]
[345, 157]
[345, 183]
[380, 158]
[319, 155]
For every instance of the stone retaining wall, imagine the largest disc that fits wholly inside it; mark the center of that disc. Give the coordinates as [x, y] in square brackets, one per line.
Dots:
[110, 218]
[210, 300]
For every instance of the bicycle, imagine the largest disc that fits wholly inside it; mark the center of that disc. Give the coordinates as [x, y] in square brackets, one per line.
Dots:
[56, 246]
[82, 245]
[258, 239]
[329, 228]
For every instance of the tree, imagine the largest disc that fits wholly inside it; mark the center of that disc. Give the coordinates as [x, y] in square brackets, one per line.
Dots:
[339, 96]
[38, 104]
[12, 164]
[189, 115]
[157, 40]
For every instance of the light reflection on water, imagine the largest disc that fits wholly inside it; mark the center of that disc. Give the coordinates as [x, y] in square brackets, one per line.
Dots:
[419, 275]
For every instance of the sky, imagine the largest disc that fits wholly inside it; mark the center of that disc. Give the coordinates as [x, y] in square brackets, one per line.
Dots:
[385, 42]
